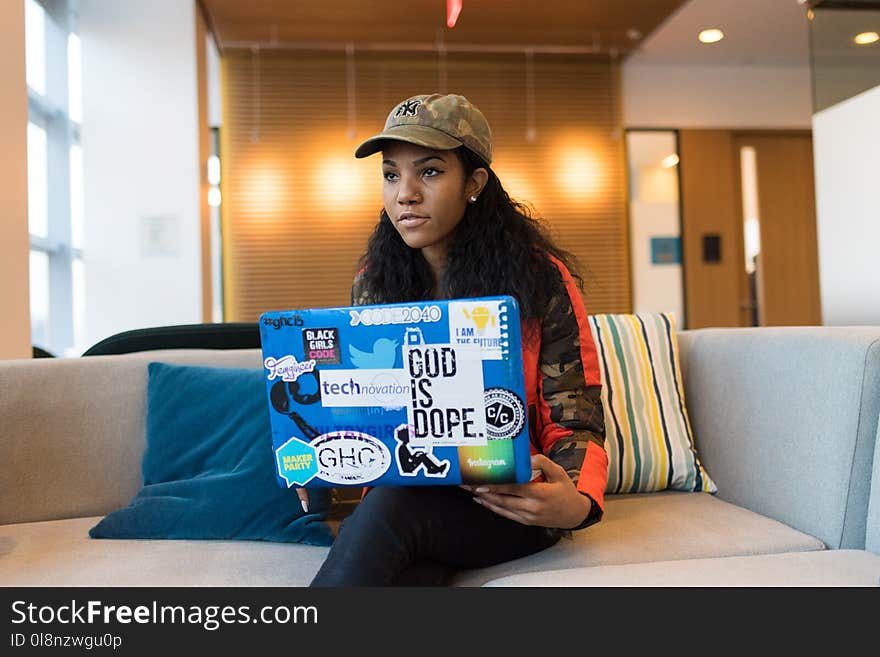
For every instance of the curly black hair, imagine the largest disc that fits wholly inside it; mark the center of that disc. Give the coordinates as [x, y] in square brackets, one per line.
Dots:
[497, 248]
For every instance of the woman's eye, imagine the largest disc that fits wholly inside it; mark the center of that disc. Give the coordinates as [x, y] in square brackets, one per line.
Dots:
[389, 176]
[431, 171]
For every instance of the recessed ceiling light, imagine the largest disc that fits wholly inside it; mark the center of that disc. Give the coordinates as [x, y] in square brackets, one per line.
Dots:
[713, 35]
[866, 38]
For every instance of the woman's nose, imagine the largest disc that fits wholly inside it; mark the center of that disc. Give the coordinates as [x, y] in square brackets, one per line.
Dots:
[407, 191]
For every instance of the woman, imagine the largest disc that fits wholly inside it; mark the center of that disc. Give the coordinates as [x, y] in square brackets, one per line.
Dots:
[449, 230]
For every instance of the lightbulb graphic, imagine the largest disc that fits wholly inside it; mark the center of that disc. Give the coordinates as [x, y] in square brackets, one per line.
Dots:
[480, 317]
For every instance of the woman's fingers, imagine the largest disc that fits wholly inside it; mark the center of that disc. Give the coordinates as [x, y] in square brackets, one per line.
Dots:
[502, 511]
[554, 503]
[303, 494]
[511, 502]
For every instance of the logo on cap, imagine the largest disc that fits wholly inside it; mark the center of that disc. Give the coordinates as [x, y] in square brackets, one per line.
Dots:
[408, 108]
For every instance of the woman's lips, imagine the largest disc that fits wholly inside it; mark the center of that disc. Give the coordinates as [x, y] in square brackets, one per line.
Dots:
[411, 220]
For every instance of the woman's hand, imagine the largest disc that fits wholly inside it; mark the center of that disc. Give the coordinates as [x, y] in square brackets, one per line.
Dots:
[303, 494]
[554, 502]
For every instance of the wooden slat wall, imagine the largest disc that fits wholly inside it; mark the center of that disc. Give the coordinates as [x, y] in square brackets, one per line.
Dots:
[298, 207]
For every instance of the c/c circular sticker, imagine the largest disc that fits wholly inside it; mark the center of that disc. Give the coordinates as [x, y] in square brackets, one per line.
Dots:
[505, 413]
[350, 457]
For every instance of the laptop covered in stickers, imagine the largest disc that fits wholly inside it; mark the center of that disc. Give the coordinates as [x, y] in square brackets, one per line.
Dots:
[425, 393]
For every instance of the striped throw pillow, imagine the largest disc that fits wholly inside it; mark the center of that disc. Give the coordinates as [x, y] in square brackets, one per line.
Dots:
[647, 431]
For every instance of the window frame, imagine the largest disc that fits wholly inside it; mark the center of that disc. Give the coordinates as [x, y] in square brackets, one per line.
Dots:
[51, 112]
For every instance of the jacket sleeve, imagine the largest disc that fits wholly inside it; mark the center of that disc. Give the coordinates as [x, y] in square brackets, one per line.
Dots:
[573, 434]
[357, 297]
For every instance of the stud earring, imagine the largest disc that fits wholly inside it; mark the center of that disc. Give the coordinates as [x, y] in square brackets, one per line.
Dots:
[473, 199]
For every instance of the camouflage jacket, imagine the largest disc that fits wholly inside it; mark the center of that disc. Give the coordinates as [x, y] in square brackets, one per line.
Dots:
[563, 385]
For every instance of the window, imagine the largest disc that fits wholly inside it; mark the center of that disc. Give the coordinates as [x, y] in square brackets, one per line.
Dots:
[55, 197]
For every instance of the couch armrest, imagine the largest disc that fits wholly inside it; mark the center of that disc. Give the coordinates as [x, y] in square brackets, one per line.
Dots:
[872, 534]
[785, 421]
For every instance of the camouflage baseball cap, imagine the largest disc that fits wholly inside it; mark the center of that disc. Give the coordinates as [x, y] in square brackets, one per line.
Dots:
[435, 121]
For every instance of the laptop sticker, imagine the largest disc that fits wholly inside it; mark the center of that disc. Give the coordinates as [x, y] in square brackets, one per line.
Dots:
[446, 407]
[478, 323]
[322, 345]
[351, 457]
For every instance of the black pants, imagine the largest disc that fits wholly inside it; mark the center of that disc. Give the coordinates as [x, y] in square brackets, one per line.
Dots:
[419, 536]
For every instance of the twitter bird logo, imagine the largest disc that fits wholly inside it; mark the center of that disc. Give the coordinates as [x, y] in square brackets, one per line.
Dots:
[383, 356]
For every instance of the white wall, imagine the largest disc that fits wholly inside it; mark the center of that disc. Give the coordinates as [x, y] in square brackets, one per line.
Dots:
[141, 165]
[846, 143]
[676, 96]
[656, 288]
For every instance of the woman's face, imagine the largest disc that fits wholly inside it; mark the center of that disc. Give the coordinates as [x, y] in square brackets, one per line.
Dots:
[425, 193]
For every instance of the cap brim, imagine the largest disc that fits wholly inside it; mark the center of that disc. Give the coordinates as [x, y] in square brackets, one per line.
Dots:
[420, 135]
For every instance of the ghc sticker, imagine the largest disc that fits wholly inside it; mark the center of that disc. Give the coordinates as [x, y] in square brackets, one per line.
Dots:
[350, 457]
[297, 462]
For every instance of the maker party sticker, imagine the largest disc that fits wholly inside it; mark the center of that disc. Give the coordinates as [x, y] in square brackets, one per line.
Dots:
[477, 323]
[297, 462]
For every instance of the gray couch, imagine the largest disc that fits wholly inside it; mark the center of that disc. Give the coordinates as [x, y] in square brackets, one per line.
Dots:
[785, 419]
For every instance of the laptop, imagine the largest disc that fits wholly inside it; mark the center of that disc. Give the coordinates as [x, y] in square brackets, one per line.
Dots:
[427, 393]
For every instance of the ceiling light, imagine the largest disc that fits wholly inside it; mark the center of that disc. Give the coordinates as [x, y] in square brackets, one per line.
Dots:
[453, 9]
[711, 36]
[669, 161]
[866, 38]
[214, 197]
[213, 170]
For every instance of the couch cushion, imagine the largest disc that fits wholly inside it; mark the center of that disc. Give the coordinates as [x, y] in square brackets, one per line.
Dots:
[647, 431]
[209, 469]
[667, 525]
[658, 526]
[825, 568]
[785, 419]
[60, 553]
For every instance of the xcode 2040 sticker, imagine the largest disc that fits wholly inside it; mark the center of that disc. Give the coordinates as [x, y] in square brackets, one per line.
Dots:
[395, 315]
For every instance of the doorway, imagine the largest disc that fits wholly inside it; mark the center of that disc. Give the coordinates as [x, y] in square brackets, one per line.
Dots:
[749, 228]
[655, 223]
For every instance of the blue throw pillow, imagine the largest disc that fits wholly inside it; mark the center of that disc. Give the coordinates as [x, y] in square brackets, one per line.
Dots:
[209, 469]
